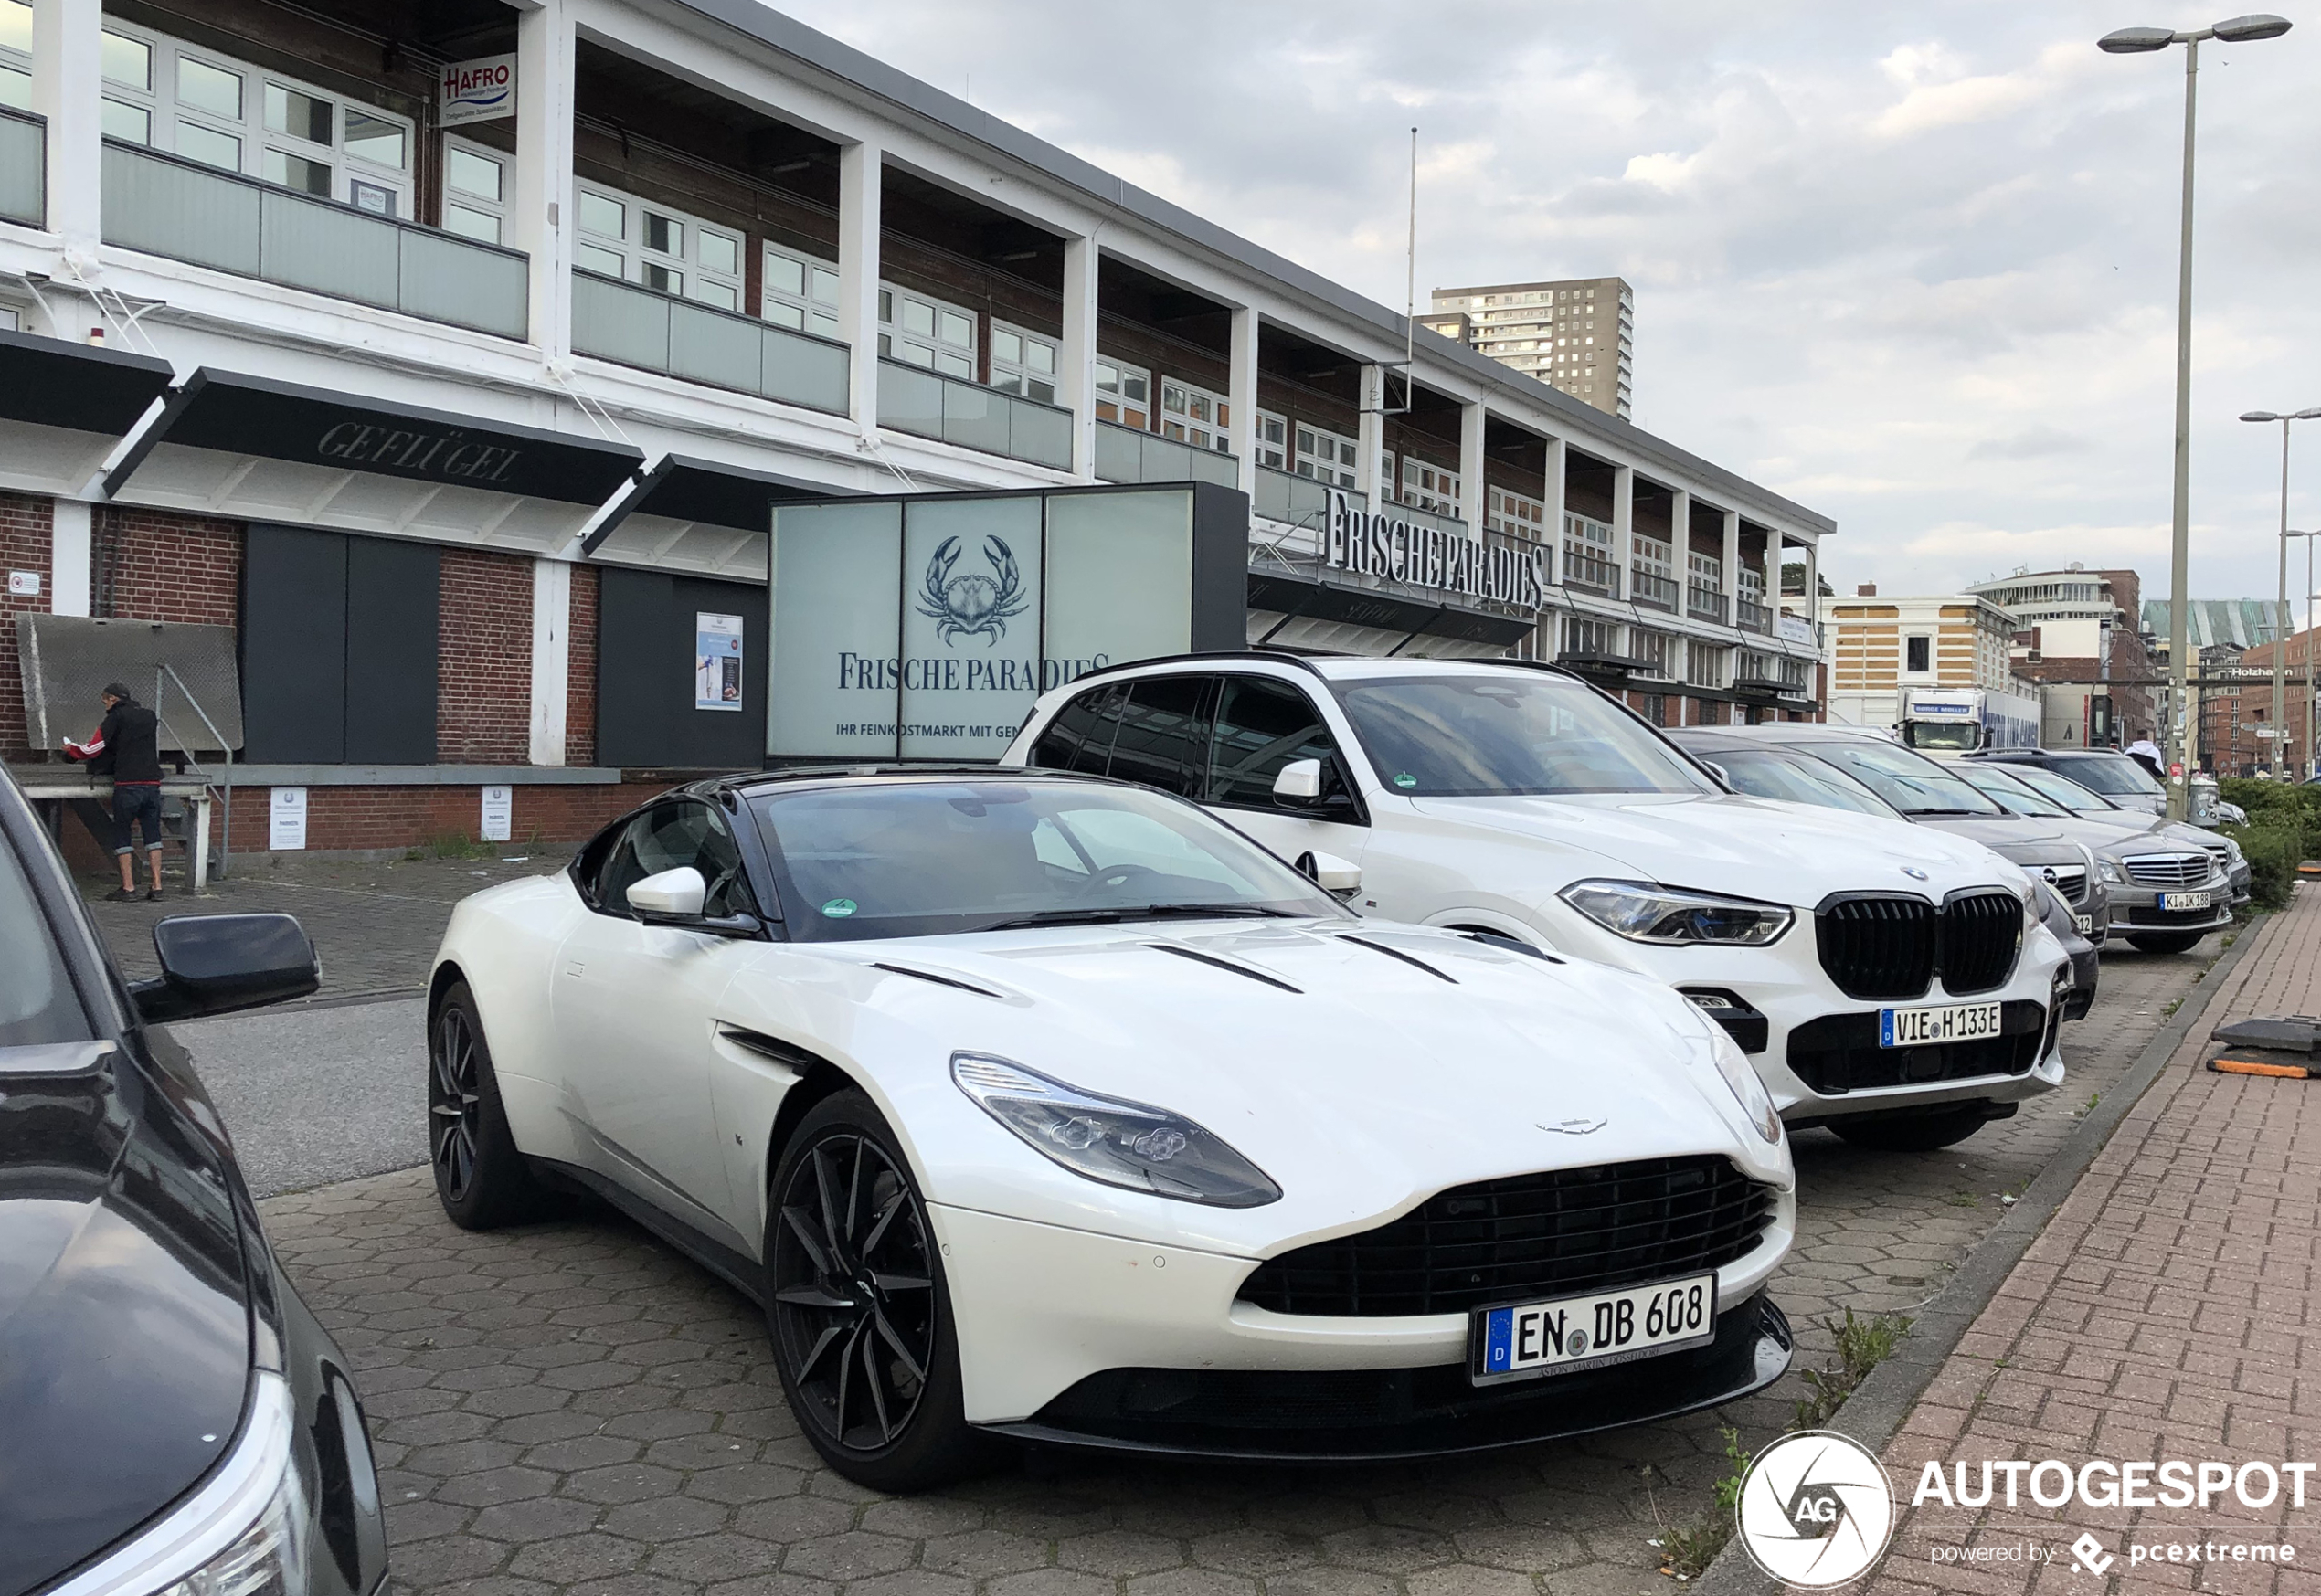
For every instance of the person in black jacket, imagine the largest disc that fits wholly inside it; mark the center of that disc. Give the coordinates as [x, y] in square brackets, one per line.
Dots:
[126, 747]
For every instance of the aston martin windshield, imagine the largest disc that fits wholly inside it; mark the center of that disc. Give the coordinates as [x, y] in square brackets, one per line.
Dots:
[1471, 736]
[925, 858]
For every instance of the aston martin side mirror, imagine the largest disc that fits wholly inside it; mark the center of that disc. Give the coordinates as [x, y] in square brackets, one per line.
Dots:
[673, 894]
[1340, 877]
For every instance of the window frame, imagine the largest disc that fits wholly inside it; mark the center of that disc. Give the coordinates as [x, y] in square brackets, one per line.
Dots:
[1340, 471]
[892, 335]
[638, 258]
[1118, 410]
[1339, 772]
[496, 210]
[815, 313]
[1022, 375]
[1212, 433]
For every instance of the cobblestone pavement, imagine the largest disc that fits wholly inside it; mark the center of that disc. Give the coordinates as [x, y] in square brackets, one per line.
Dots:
[375, 924]
[2168, 1310]
[571, 1407]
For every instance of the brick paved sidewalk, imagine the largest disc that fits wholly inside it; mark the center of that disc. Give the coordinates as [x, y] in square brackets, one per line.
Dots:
[2171, 1309]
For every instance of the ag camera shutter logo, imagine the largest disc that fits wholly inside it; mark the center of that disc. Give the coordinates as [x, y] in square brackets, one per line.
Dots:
[1816, 1510]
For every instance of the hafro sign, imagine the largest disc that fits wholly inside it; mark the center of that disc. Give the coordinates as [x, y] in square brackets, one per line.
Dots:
[1385, 545]
[482, 89]
[924, 628]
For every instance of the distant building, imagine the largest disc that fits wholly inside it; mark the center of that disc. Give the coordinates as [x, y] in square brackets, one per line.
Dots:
[2080, 636]
[1576, 335]
[1879, 646]
[2236, 705]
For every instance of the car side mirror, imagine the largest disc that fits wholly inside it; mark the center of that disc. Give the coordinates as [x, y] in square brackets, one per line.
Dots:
[1340, 877]
[215, 964]
[1717, 771]
[673, 894]
[1299, 782]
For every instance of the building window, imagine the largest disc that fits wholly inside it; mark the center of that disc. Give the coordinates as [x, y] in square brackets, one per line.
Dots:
[642, 241]
[1194, 416]
[1704, 665]
[1124, 395]
[477, 183]
[1586, 538]
[231, 114]
[1654, 648]
[1427, 486]
[1652, 557]
[1584, 634]
[798, 291]
[1707, 571]
[1656, 708]
[1024, 362]
[1271, 438]
[1517, 513]
[920, 330]
[1327, 456]
[1918, 654]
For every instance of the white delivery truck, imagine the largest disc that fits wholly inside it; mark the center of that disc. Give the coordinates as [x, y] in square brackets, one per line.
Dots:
[1948, 721]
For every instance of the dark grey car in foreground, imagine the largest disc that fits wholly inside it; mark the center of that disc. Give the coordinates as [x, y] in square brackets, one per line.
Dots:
[174, 1420]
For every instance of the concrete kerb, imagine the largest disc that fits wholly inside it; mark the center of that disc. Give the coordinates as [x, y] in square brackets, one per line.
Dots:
[1877, 1406]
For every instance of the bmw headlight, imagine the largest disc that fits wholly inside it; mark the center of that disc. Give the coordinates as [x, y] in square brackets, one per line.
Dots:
[1642, 912]
[1739, 1073]
[243, 1533]
[2109, 873]
[1108, 1139]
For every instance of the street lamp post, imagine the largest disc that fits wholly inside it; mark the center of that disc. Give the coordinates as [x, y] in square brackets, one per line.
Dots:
[2129, 41]
[2281, 642]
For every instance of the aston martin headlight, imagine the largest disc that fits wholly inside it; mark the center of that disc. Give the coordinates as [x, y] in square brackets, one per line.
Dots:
[243, 1533]
[1111, 1140]
[1756, 1102]
[2109, 873]
[1642, 912]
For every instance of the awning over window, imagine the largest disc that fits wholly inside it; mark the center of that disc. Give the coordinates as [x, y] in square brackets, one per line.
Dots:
[63, 407]
[252, 447]
[699, 515]
[1309, 599]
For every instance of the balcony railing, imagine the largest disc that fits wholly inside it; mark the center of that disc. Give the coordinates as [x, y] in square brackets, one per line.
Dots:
[1649, 587]
[165, 204]
[1290, 498]
[1124, 454]
[1751, 617]
[23, 168]
[1593, 573]
[1433, 518]
[928, 405]
[1704, 603]
[636, 326]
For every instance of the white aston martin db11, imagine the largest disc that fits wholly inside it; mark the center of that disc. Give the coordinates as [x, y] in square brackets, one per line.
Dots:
[1044, 1107]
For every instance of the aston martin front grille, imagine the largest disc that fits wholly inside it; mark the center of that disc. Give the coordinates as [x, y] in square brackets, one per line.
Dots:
[1566, 1230]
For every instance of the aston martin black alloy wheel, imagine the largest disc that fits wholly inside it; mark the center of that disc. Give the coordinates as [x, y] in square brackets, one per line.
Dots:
[481, 1178]
[857, 1305]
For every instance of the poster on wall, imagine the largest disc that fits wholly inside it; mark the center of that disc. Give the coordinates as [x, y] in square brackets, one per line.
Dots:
[716, 661]
[498, 817]
[286, 819]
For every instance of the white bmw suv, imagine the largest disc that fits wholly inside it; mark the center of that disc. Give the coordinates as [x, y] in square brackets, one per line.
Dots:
[1887, 979]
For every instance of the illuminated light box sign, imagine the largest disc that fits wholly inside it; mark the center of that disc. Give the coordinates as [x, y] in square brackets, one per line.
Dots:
[923, 627]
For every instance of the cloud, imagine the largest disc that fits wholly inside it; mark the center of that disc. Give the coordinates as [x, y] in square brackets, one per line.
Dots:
[1914, 266]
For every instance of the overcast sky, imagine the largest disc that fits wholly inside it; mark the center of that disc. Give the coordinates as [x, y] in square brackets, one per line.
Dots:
[1912, 266]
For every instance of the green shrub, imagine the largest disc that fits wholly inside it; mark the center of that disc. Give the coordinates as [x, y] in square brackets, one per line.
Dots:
[2274, 850]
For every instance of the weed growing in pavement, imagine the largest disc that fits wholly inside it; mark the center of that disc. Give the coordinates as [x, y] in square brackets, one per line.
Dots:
[2093, 1099]
[2168, 1010]
[455, 845]
[1687, 1551]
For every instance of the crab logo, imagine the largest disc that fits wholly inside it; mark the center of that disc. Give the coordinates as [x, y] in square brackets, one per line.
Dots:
[972, 604]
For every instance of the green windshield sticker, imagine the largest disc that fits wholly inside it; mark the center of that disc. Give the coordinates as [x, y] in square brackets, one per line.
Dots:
[1405, 779]
[839, 908]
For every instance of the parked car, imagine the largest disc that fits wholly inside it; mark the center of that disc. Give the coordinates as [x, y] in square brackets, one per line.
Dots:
[1050, 1108]
[1763, 770]
[175, 1419]
[1520, 802]
[1933, 793]
[2116, 775]
[2093, 806]
[2157, 879]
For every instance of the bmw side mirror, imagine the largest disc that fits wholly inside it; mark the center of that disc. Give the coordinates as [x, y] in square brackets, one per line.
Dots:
[215, 964]
[1717, 771]
[1340, 877]
[1299, 783]
[674, 894]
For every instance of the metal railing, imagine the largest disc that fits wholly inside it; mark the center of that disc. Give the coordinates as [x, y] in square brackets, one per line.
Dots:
[927, 404]
[643, 327]
[1125, 454]
[23, 168]
[1751, 617]
[165, 205]
[1592, 572]
[1651, 588]
[1705, 603]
